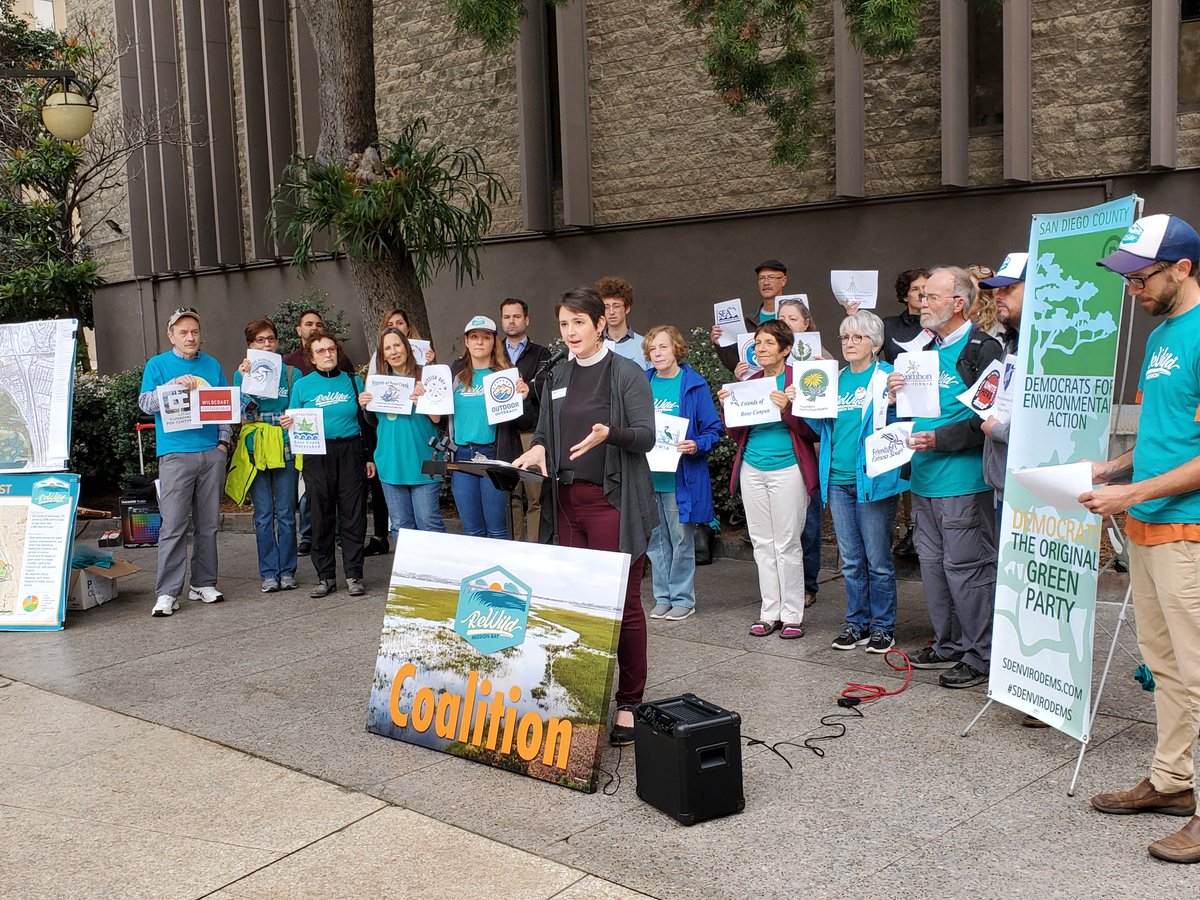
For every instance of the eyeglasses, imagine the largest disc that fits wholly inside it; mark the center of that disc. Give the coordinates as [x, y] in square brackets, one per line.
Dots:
[771, 277]
[265, 339]
[853, 339]
[937, 298]
[1138, 282]
[324, 350]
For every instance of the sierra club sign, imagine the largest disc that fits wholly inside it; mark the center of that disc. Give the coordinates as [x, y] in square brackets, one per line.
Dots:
[1049, 557]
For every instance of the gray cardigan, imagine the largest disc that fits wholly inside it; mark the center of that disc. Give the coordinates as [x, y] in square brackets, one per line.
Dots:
[627, 482]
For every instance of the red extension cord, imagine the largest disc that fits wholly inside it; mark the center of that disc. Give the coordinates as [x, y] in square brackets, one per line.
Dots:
[865, 693]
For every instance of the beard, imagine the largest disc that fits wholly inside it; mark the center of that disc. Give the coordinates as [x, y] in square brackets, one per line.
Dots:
[929, 319]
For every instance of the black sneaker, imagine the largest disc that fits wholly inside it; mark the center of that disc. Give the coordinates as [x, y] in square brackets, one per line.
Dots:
[928, 658]
[880, 642]
[905, 547]
[848, 639]
[962, 676]
[303, 548]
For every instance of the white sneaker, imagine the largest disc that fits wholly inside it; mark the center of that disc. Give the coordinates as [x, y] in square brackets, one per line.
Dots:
[165, 605]
[208, 594]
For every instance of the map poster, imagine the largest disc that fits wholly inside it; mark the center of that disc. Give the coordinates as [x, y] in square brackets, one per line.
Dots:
[37, 391]
[1062, 399]
[504, 661]
[37, 531]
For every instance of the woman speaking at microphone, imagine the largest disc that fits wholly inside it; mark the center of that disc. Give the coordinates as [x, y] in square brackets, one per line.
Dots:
[604, 427]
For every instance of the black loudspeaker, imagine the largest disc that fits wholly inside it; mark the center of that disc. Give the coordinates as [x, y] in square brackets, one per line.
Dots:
[688, 754]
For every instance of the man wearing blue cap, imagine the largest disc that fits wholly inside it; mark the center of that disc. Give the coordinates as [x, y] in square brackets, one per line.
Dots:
[1158, 259]
[1009, 284]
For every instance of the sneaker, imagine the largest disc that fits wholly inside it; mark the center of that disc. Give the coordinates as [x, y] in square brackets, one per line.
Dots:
[928, 658]
[287, 583]
[962, 676]
[356, 587]
[165, 605]
[880, 642]
[304, 548]
[208, 594]
[679, 613]
[848, 639]
[660, 610]
[270, 586]
[323, 589]
[905, 547]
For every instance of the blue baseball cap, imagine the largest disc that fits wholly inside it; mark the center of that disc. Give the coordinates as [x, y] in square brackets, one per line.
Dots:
[1152, 239]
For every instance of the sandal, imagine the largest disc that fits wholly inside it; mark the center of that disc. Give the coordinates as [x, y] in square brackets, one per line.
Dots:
[791, 632]
[762, 628]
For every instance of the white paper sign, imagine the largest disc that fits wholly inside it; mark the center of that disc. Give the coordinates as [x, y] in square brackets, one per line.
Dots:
[175, 408]
[217, 406]
[421, 351]
[391, 394]
[879, 399]
[920, 342]
[805, 346]
[438, 399]
[668, 432]
[745, 344]
[855, 286]
[749, 403]
[263, 378]
[1058, 486]
[981, 397]
[888, 449]
[307, 434]
[504, 402]
[728, 315]
[816, 389]
[918, 397]
[1004, 401]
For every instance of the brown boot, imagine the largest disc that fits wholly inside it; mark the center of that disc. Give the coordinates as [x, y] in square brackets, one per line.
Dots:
[1145, 799]
[1181, 847]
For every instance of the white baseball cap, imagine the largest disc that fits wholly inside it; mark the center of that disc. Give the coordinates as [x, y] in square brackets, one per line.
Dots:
[1153, 238]
[480, 323]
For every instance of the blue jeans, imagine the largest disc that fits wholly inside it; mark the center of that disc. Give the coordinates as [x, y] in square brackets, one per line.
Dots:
[273, 493]
[413, 506]
[305, 522]
[482, 509]
[864, 537]
[672, 553]
[810, 542]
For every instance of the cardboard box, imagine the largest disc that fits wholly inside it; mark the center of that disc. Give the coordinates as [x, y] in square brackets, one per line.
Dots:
[95, 585]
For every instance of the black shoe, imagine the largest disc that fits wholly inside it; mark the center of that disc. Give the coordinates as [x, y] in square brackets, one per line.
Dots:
[905, 547]
[962, 676]
[304, 548]
[621, 735]
[848, 639]
[880, 642]
[376, 546]
[928, 658]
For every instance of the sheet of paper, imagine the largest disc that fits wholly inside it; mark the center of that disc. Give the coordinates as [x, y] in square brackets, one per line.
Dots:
[307, 434]
[746, 354]
[918, 397]
[175, 408]
[438, 399]
[217, 406]
[668, 432]
[805, 346]
[981, 397]
[920, 342]
[879, 399]
[728, 314]
[504, 403]
[421, 351]
[391, 394]
[888, 448]
[859, 286]
[263, 378]
[1058, 486]
[816, 384]
[749, 402]
[1004, 400]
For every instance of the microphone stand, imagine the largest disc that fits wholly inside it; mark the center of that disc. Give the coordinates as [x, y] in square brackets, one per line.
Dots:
[544, 374]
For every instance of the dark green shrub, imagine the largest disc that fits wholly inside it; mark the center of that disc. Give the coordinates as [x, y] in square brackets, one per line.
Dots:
[104, 449]
[287, 316]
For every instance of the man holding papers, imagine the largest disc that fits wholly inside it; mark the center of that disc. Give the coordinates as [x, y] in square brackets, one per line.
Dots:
[952, 503]
[772, 280]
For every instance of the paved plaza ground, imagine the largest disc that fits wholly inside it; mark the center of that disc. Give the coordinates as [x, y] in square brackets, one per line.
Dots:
[222, 752]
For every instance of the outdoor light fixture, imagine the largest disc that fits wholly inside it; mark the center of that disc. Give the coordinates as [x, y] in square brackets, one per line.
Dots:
[68, 105]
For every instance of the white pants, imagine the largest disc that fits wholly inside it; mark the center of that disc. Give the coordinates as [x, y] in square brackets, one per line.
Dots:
[776, 504]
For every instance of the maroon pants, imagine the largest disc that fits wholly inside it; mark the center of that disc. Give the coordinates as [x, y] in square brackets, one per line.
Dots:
[586, 519]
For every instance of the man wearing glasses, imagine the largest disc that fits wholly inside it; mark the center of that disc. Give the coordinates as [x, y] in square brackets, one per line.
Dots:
[772, 279]
[952, 503]
[1158, 259]
[191, 467]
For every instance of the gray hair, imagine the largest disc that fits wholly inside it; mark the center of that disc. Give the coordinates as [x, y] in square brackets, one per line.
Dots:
[867, 324]
[804, 310]
[964, 285]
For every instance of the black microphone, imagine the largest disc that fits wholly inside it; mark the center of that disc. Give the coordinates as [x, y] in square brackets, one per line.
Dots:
[557, 356]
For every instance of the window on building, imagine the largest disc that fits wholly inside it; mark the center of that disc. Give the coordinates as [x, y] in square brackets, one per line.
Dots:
[985, 67]
[554, 115]
[43, 13]
[1189, 54]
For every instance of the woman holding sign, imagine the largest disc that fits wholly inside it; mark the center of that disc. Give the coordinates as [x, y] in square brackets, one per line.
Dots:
[684, 496]
[863, 508]
[777, 469]
[482, 508]
[334, 480]
[402, 445]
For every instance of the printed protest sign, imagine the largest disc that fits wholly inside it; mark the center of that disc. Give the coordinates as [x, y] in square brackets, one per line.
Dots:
[263, 378]
[668, 431]
[504, 402]
[749, 402]
[422, 351]
[816, 389]
[438, 399]
[391, 394]
[728, 315]
[888, 449]
[981, 397]
[175, 408]
[805, 346]
[855, 286]
[879, 399]
[918, 397]
[746, 354]
[307, 434]
[216, 406]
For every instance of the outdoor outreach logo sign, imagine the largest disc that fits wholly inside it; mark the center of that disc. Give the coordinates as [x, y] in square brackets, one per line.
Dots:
[508, 665]
[1049, 557]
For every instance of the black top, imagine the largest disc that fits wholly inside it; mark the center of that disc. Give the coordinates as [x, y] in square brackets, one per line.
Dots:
[588, 403]
[903, 328]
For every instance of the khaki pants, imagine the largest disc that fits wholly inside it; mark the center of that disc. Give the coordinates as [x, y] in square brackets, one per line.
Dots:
[776, 504]
[526, 505]
[1166, 604]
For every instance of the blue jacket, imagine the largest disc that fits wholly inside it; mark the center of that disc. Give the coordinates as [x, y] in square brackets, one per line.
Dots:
[886, 485]
[693, 485]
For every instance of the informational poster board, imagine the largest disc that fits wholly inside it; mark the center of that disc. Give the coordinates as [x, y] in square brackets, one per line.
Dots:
[37, 519]
[499, 652]
[37, 391]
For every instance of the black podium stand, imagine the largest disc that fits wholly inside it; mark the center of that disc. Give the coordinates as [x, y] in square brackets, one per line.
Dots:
[504, 477]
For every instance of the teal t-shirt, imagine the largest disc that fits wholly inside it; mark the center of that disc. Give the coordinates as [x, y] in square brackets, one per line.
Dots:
[470, 412]
[666, 400]
[769, 446]
[402, 444]
[1169, 430]
[338, 396]
[165, 368]
[938, 474]
[853, 395]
